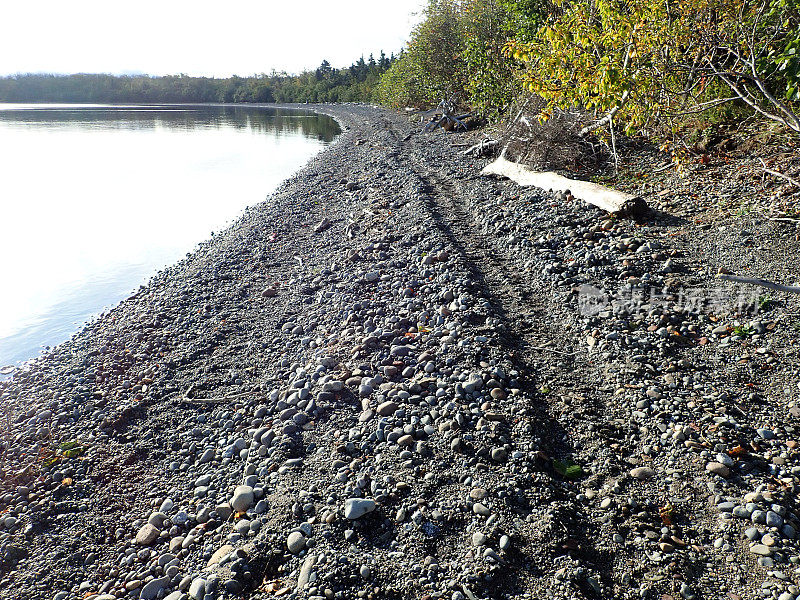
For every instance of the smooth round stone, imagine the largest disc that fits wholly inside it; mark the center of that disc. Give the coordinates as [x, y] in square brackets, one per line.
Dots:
[365, 571]
[480, 509]
[765, 434]
[387, 408]
[759, 516]
[207, 456]
[774, 519]
[726, 506]
[498, 394]
[761, 550]
[643, 473]
[233, 587]
[479, 538]
[490, 553]
[478, 493]
[718, 469]
[499, 454]
[296, 542]
[242, 498]
[157, 519]
[741, 512]
[333, 386]
[752, 533]
[406, 440]
[242, 527]
[165, 559]
[152, 589]
[725, 459]
[355, 508]
[147, 535]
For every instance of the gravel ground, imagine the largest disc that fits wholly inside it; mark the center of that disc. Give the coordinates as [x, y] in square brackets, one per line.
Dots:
[398, 379]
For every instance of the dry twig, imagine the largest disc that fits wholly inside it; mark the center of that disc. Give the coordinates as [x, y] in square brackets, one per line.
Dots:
[779, 174]
[778, 287]
[559, 352]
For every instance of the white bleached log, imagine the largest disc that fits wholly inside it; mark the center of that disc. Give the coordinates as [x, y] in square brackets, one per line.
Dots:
[612, 201]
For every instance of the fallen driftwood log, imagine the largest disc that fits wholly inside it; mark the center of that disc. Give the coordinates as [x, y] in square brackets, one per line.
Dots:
[444, 116]
[448, 122]
[612, 201]
[481, 148]
[792, 289]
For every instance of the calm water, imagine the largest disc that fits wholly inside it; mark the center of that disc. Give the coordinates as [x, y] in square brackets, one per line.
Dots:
[95, 199]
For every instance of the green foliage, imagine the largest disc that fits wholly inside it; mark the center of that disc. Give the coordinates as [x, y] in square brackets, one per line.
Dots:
[743, 331]
[71, 449]
[599, 55]
[491, 82]
[432, 67]
[402, 85]
[765, 303]
[356, 83]
[568, 469]
[525, 17]
[456, 52]
[782, 19]
[649, 63]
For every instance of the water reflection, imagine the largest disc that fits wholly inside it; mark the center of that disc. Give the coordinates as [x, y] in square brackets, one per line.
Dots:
[274, 121]
[96, 199]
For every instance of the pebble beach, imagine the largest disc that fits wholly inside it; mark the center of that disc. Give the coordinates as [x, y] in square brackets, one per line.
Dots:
[399, 379]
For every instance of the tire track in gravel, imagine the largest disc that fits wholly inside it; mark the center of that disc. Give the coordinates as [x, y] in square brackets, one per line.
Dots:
[523, 308]
[516, 300]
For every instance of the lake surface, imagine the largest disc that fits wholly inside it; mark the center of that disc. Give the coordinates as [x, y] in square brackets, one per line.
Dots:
[96, 199]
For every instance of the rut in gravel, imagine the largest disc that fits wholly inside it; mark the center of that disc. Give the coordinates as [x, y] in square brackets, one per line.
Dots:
[530, 330]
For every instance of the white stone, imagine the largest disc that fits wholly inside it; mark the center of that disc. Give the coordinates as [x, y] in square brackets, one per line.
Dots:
[355, 508]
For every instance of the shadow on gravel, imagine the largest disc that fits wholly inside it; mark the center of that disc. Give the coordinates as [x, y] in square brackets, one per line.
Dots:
[569, 534]
[658, 217]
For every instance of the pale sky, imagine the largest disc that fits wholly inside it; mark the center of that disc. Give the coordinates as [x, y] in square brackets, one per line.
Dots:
[198, 37]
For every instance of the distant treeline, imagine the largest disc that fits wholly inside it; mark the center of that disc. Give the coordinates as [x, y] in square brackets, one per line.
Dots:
[355, 83]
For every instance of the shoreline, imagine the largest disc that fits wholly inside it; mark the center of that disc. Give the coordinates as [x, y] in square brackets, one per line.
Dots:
[22, 340]
[384, 382]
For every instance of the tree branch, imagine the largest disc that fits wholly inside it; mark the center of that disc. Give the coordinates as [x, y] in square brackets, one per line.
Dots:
[608, 116]
[792, 289]
[779, 174]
